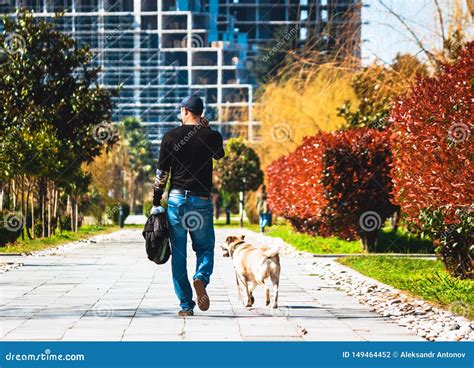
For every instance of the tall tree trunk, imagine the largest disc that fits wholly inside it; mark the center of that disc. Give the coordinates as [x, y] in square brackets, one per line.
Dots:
[369, 240]
[43, 228]
[55, 209]
[28, 190]
[7, 195]
[241, 208]
[22, 203]
[33, 214]
[395, 219]
[70, 211]
[14, 194]
[42, 199]
[48, 196]
[75, 215]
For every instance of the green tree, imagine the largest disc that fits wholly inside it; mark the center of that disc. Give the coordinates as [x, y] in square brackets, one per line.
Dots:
[376, 87]
[140, 159]
[53, 117]
[128, 165]
[239, 171]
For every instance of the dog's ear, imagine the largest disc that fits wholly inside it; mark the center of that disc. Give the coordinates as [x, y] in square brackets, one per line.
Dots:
[242, 237]
[230, 239]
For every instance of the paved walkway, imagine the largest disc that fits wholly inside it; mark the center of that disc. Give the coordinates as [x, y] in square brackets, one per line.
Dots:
[108, 290]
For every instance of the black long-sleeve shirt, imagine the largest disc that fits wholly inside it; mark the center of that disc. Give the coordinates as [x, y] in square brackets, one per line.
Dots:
[187, 152]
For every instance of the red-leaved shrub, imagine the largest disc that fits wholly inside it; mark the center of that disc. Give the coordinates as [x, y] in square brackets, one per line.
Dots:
[433, 173]
[335, 184]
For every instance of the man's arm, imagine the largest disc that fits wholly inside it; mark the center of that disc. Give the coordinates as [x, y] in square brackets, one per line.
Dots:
[162, 172]
[218, 148]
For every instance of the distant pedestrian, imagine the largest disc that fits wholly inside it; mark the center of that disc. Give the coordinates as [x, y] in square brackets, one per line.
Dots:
[263, 208]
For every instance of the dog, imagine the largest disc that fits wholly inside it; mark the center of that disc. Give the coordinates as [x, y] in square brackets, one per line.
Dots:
[253, 265]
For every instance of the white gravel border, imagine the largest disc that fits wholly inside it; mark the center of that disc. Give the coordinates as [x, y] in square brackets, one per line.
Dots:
[421, 317]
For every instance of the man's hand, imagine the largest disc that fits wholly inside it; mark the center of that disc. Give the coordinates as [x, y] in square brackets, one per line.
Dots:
[204, 121]
[155, 210]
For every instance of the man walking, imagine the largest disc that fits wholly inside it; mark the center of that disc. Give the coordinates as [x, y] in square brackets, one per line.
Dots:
[187, 153]
[262, 208]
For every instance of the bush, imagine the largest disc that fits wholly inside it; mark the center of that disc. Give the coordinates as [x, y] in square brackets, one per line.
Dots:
[251, 207]
[147, 206]
[433, 154]
[453, 241]
[65, 223]
[335, 184]
[11, 226]
[113, 212]
[239, 170]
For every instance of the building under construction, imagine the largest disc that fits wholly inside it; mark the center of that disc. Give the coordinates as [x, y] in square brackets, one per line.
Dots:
[159, 51]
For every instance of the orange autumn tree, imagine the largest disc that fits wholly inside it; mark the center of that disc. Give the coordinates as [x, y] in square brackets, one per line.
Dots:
[432, 143]
[335, 184]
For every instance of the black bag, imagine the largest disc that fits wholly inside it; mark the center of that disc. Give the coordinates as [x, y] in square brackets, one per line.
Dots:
[157, 241]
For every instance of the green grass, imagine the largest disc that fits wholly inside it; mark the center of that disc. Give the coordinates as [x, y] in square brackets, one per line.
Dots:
[389, 242]
[27, 245]
[424, 278]
[304, 242]
[314, 244]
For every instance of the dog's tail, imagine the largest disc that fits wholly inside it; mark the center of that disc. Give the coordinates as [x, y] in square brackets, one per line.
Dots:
[272, 252]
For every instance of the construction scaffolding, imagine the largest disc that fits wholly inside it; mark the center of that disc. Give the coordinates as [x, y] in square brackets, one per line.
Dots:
[159, 51]
[157, 55]
[333, 22]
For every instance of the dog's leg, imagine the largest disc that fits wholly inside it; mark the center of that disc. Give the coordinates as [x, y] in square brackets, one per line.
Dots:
[275, 282]
[267, 295]
[249, 294]
[275, 296]
[242, 282]
[252, 287]
[238, 286]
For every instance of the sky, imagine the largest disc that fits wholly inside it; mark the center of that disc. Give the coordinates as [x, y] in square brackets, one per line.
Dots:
[384, 36]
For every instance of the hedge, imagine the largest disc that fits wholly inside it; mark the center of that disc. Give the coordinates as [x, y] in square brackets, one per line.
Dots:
[335, 184]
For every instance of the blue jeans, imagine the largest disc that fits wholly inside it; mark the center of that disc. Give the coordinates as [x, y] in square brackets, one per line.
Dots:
[194, 215]
[263, 219]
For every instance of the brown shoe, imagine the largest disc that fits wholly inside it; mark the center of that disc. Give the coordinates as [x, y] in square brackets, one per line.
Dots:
[202, 297]
[186, 313]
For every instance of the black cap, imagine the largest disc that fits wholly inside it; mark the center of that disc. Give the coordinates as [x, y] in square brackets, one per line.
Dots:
[194, 104]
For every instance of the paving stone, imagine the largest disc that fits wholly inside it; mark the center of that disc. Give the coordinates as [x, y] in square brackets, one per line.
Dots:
[110, 291]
